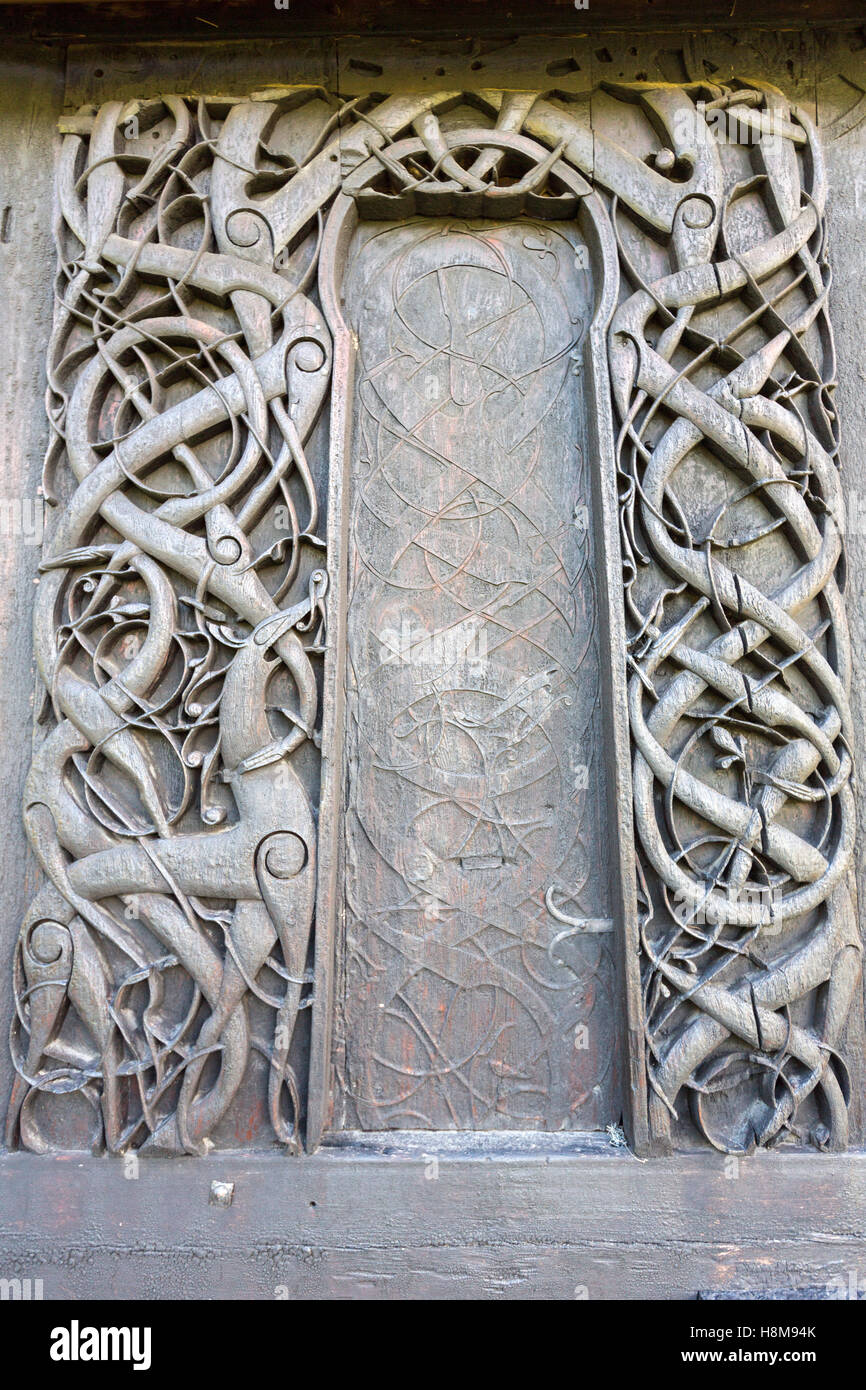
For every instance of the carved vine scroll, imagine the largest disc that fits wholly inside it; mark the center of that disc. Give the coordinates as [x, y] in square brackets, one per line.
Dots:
[163, 974]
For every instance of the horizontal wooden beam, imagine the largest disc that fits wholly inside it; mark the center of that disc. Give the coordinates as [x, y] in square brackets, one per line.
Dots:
[63, 20]
[423, 1216]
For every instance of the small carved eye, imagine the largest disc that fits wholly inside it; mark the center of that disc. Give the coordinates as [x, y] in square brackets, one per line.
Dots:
[309, 356]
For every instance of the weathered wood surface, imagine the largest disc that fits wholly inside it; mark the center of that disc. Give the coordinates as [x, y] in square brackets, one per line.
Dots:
[523, 1228]
[216, 20]
[723, 865]
[31, 98]
[474, 776]
[840, 108]
[115, 66]
[527, 1222]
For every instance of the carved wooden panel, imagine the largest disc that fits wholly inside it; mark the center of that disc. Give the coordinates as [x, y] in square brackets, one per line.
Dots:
[472, 780]
[177, 978]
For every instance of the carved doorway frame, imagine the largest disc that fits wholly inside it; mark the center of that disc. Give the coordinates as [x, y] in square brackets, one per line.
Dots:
[677, 192]
[591, 217]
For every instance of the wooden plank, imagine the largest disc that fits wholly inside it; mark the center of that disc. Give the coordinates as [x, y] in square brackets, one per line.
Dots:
[223, 19]
[613, 638]
[475, 777]
[840, 88]
[328, 920]
[112, 71]
[522, 1221]
[31, 90]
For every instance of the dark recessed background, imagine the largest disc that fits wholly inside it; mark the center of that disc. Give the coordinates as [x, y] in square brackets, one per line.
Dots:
[68, 21]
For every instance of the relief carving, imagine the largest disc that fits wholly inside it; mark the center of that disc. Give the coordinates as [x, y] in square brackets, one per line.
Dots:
[193, 598]
[473, 690]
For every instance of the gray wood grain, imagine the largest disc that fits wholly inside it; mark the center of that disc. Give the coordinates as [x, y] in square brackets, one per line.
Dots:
[474, 797]
[830, 66]
[31, 96]
[526, 1221]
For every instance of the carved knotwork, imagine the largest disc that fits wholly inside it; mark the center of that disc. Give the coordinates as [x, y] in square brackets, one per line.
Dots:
[739, 660]
[171, 805]
[175, 635]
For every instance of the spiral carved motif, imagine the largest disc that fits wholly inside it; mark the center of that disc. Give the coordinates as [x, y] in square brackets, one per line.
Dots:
[181, 610]
[177, 627]
[739, 662]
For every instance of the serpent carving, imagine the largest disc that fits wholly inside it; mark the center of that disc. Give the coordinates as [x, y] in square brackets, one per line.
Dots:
[163, 972]
[739, 662]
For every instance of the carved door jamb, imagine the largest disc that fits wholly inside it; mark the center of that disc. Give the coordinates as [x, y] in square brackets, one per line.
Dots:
[593, 221]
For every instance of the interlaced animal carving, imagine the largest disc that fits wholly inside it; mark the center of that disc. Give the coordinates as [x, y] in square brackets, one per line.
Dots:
[181, 611]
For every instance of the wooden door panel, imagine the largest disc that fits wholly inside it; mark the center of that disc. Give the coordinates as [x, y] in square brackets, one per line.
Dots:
[473, 785]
